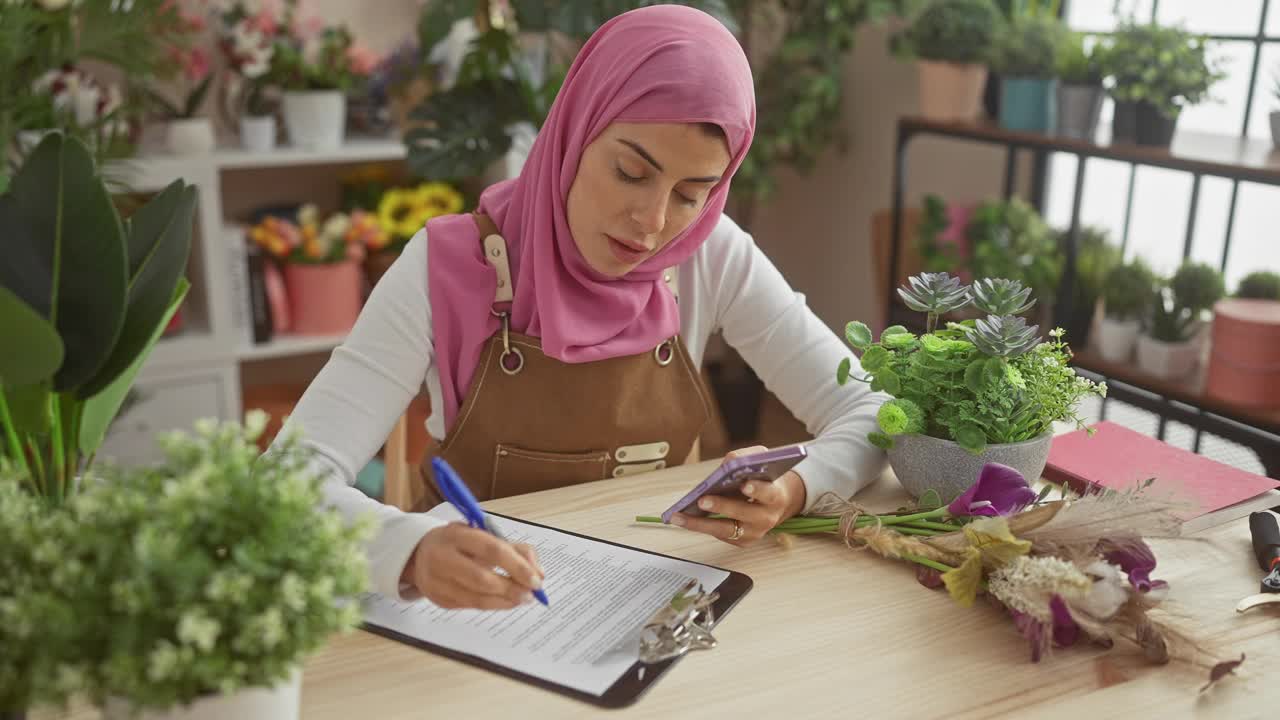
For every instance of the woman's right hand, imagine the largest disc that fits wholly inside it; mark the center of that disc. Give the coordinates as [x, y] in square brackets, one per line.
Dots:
[453, 567]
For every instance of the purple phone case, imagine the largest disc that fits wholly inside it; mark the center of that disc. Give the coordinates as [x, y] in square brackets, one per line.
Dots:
[727, 478]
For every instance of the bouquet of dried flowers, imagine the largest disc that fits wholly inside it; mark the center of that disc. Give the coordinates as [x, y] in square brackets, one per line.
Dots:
[1066, 570]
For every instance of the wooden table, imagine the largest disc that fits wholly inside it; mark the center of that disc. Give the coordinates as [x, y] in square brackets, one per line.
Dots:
[830, 631]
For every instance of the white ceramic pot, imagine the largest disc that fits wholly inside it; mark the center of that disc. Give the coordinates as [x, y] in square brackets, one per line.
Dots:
[190, 136]
[315, 119]
[276, 703]
[1116, 338]
[258, 134]
[1170, 361]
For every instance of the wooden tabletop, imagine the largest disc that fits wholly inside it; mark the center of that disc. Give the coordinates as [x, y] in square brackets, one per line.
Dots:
[829, 631]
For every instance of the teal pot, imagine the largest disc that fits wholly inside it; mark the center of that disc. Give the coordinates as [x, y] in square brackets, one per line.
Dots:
[1029, 104]
[1079, 107]
[923, 463]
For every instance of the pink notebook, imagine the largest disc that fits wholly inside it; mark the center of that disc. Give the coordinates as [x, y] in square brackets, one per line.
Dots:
[1118, 458]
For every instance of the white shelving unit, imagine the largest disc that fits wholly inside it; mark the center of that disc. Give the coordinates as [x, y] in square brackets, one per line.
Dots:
[196, 373]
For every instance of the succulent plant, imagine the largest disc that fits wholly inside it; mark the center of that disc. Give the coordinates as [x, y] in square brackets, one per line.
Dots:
[935, 294]
[1003, 336]
[998, 296]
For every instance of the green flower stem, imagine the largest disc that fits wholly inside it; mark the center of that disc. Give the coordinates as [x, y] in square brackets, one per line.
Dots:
[927, 515]
[15, 447]
[927, 563]
[934, 525]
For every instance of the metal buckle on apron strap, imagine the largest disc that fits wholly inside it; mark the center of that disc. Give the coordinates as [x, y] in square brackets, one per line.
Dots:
[507, 350]
[665, 352]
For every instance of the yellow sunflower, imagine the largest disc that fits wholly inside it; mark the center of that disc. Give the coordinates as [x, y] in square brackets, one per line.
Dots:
[439, 199]
[400, 213]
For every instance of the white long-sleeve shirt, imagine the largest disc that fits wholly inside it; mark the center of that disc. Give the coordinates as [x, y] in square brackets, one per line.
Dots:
[729, 284]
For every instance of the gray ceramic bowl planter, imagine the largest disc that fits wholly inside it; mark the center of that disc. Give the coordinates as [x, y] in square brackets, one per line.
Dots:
[922, 462]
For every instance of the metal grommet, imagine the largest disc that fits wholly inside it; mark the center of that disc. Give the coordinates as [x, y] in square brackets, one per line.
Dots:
[495, 252]
[619, 471]
[664, 353]
[502, 361]
[664, 448]
[502, 283]
[622, 454]
[660, 464]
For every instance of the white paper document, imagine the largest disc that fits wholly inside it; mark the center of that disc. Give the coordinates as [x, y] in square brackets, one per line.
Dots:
[600, 596]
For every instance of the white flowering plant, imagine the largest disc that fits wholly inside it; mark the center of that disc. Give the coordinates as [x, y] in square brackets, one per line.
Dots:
[35, 627]
[213, 571]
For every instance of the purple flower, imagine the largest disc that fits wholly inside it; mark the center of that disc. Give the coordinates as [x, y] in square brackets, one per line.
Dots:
[1136, 560]
[999, 490]
[1065, 630]
[1062, 630]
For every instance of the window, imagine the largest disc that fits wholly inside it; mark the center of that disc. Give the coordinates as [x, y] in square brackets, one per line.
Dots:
[1147, 209]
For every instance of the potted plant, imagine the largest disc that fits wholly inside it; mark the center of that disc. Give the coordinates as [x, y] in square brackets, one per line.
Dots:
[1157, 72]
[248, 43]
[1127, 297]
[950, 40]
[36, 629]
[1009, 239]
[1259, 285]
[84, 296]
[322, 264]
[968, 393]
[316, 66]
[1025, 55]
[1172, 346]
[186, 132]
[1095, 258]
[1080, 90]
[202, 583]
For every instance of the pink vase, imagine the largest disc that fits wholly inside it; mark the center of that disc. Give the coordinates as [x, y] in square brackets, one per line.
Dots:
[323, 299]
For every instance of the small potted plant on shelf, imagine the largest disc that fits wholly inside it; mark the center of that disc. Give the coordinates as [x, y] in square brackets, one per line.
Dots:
[248, 41]
[1080, 89]
[950, 39]
[1127, 296]
[322, 261]
[1173, 343]
[316, 66]
[201, 584]
[968, 393]
[186, 132]
[1025, 55]
[1259, 285]
[1095, 258]
[1158, 71]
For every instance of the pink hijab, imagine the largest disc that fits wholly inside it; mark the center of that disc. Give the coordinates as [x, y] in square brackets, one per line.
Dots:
[663, 63]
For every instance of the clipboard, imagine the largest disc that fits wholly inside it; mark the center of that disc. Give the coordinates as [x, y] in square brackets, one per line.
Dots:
[634, 682]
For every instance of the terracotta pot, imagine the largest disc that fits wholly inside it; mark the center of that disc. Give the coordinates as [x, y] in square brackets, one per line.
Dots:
[323, 299]
[1244, 358]
[951, 92]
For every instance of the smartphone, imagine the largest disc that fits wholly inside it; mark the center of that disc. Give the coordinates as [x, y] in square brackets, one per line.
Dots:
[728, 478]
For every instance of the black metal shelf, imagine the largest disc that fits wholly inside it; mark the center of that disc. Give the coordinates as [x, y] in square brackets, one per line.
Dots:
[1200, 154]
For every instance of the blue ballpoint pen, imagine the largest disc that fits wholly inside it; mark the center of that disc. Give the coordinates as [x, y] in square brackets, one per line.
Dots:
[457, 494]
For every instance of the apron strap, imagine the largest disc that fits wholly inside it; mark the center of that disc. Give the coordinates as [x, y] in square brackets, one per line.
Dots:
[495, 252]
[671, 276]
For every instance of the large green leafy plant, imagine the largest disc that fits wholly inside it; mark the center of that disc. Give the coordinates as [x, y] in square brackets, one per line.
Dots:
[975, 382]
[958, 31]
[84, 296]
[1165, 66]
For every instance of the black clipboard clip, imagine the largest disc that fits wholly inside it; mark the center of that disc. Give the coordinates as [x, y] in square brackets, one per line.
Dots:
[681, 625]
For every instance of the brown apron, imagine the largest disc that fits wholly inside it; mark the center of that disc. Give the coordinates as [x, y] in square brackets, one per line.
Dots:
[531, 422]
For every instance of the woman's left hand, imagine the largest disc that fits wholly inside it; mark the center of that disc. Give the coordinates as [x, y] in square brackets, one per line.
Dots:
[768, 504]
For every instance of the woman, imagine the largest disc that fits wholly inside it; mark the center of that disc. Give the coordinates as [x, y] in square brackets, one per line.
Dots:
[560, 329]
